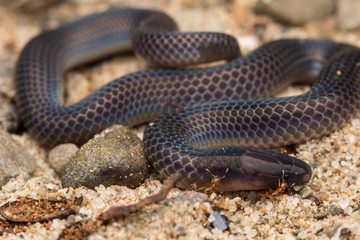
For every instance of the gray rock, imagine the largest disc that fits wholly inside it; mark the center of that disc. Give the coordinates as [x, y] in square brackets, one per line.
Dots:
[9, 120]
[114, 157]
[345, 232]
[180, 230]
[336, 210]
[221, 222]
[61, 155]
[295, 11]
[14, 159]
[348, 16]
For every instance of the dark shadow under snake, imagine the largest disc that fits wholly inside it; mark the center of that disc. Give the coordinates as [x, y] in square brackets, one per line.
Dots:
[219, 127]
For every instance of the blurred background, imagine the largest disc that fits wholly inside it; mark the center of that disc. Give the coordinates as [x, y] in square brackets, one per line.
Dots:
[252, 22]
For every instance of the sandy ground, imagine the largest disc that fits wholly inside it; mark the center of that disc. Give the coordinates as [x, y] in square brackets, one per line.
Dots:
[328, 207]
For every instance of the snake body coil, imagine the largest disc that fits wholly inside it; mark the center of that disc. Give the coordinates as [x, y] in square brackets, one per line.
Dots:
[216, 132]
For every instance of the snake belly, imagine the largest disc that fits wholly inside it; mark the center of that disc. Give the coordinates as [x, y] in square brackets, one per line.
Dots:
[221, 129]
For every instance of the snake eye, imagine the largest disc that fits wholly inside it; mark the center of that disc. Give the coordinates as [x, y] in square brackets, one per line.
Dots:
[286, 176]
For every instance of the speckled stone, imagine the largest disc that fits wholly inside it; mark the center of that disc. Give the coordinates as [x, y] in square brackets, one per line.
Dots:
[60, 155]
[335, 210]
[14, 159]
[294, 11]
[114, 157]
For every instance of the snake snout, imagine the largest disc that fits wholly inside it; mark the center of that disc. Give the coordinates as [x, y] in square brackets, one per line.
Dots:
[299, 174]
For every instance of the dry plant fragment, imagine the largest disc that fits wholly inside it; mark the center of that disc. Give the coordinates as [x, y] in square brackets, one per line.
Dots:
[28, 210]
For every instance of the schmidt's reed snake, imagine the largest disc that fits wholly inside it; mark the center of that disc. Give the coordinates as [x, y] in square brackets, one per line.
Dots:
[218, 128]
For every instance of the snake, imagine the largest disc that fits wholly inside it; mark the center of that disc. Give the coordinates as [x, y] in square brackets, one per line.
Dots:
[219, 122]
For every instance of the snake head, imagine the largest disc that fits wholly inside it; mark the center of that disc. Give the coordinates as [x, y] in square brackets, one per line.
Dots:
[268, 169]
[248, 168]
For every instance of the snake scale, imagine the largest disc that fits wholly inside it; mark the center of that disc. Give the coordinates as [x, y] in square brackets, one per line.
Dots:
[220, 129]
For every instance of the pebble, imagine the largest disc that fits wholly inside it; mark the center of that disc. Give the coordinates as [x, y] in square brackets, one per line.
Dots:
[61, 155]
[302, 235]
[295, 12]
[345, 232]
[306, 192]
[221, 222]
[9, 120]
[348, 17]
[335, 210]
[252, 197]
[331, 231]
[113, 157]
[320, 215]
[180, 230]
[14, 159]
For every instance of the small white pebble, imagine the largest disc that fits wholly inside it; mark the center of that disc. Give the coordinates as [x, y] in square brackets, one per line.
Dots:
[343, 203]
[55, 223]
[232, 207]
[348, 210]
[293, 201]
[351, 139]
[307, 202]
[250, 232]
[77, 194]
[235, 228]
[302, 235]
[335, 164]
[327, 146]
[213, 196]
[211, 218]
[319, 173]
[269, 206]
[355, 122]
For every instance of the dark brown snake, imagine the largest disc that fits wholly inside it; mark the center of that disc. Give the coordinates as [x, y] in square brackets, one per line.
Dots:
[219, 126]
